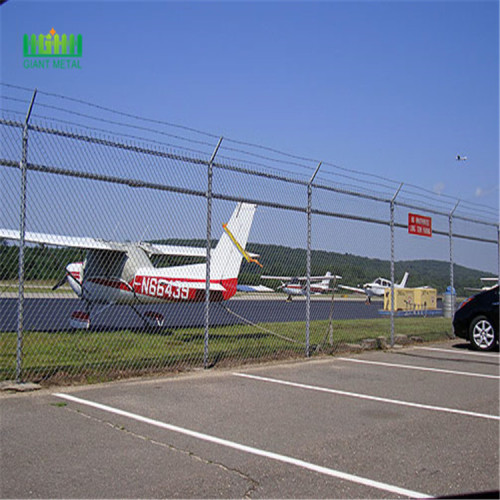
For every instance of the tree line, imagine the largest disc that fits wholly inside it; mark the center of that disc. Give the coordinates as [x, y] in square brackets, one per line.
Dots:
[48, 263]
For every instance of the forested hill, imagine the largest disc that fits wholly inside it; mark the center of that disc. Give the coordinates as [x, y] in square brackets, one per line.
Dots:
[355, 270]
[49, 263]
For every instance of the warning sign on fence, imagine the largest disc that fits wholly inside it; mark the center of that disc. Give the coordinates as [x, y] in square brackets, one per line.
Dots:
[419, 224]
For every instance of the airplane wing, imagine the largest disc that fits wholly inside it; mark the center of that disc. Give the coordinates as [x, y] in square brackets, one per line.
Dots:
[329, 276]
[483, 289]
[100, 244]
[317, 278]
[178, 250]
[300, 278]
[353, 289]
[153, 248]
[253, 288]
[61, 241]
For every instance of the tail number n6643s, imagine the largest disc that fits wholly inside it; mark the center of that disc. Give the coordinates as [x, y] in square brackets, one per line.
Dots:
[161, 288]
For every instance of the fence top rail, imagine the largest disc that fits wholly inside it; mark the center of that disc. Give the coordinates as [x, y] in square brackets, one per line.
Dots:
[89, 114]
[234, 168]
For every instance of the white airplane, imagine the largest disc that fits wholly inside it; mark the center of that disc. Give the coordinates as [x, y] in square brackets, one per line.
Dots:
[296, 285]
[485, 287]
[122, 273]
[376, 288]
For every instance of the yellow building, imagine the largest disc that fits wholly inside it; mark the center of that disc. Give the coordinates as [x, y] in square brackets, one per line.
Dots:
[411, 299]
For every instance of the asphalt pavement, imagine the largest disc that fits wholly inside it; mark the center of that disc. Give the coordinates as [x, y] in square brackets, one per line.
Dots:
[52, 314]
[417, 422]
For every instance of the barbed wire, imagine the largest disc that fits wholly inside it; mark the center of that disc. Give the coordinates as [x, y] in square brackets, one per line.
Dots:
[252, 155]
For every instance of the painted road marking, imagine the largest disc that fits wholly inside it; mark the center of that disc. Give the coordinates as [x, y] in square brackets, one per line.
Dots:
[370, 398]
[421, 368]
[452, 351]
[249, 449]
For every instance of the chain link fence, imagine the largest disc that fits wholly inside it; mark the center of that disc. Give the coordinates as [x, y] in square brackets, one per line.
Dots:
[93, 198]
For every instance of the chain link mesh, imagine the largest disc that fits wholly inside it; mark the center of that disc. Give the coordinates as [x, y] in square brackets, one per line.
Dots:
[127, 184]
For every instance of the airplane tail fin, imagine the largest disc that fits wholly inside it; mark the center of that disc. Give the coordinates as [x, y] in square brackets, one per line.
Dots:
[226, 258]
[404, 280]
[326, 281]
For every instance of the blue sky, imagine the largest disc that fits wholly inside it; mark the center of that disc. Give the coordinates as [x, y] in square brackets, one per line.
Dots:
[391, 88]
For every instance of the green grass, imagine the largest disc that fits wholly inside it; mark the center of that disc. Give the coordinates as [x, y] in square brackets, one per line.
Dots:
[40, 287]
[62, 357]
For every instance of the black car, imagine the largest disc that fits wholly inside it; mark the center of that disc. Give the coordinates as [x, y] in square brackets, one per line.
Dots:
[476, 320]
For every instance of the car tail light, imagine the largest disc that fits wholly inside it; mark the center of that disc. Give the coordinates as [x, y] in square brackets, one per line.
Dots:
[466, 301]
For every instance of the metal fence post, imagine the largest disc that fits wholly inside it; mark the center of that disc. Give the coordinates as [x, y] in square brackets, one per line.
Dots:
[22, 233]
[308, 260]
[392, 262]
[498, 253]
[209, 249]
[452, 275]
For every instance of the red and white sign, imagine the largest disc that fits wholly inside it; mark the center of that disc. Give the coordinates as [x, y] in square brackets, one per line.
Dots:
[419, 224]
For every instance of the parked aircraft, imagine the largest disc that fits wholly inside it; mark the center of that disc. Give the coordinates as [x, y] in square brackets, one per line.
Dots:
[296, 285]
[493, 281]
[376, 287]
[122, 273]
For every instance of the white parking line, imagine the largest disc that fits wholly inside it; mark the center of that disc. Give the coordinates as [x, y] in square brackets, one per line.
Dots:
[454, 351]
[421, 368]
[370, 398]
[249, 449]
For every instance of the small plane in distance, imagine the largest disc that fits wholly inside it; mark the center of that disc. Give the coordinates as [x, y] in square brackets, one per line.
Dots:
[493, 281]
[376, 287]
[295, 285]
[122, 273]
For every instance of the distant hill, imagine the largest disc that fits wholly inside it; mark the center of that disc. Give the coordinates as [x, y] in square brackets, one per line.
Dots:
[49, 263]
[355, 270]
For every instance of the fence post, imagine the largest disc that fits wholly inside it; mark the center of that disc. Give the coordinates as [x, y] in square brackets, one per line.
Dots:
[308, 260]
[452, 275]
[22, 234]
[210, 171]
[392, 262]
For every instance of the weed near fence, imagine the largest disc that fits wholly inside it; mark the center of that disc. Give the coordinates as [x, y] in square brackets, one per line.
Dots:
[103, 355]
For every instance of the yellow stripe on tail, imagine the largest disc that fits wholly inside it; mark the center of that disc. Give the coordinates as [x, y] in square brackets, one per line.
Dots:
[240, 248]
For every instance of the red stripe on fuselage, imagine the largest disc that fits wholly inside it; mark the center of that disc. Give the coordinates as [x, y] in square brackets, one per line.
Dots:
[110, 283]
[171, 289]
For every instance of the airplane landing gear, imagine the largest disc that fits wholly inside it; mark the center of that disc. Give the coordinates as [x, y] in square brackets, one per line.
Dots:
[153, 318]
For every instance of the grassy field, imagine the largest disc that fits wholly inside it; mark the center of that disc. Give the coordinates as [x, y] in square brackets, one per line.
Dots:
[40, 287]
[91, 356]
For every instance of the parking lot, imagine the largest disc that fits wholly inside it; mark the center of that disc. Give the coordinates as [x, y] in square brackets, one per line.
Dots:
[422, 421]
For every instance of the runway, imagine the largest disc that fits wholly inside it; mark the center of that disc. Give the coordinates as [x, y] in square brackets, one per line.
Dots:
[52, 314]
